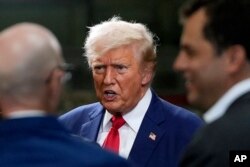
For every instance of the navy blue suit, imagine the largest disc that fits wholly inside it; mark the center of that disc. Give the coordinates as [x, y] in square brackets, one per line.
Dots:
[43, 142]
[212, 145]
[172, 125]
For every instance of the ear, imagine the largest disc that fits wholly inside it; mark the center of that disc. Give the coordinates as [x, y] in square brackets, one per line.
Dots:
[54, 89]
[147, 77]
[147, 74]
[236, 58]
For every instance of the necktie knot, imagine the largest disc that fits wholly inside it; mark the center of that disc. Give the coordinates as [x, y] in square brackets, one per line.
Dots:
[117, 121]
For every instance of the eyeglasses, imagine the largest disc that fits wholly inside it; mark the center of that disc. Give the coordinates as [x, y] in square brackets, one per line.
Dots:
[67, 69]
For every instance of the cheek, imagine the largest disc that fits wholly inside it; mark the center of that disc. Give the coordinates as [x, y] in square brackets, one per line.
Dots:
[97, 79]
[97, 84]
[131, 87]
[202, 70]
[209, 79]
[130, 81]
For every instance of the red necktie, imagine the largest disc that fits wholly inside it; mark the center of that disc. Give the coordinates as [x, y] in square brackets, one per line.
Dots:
[112, 141]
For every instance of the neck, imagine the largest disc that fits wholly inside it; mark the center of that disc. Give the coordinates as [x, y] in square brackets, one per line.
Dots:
[10, 106]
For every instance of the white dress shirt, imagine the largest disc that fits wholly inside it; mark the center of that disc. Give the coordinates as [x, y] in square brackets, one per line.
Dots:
[25, 113]
[130, 129]
[220, 107]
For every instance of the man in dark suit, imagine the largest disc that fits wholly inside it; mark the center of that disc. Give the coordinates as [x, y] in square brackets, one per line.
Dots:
[122, 56]
[215, 61]
[31, 70]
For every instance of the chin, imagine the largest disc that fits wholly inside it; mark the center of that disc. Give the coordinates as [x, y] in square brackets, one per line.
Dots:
[110, 107]
[112, 110]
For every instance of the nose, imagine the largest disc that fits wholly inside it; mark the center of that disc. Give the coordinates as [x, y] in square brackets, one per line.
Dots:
[109, 76]
[180, 63]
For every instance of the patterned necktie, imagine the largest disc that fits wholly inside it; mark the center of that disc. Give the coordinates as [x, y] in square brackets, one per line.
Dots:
[112, 141]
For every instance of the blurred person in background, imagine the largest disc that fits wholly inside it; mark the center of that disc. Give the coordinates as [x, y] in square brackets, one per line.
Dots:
[31, 70]
[130, 118]
[214, 58]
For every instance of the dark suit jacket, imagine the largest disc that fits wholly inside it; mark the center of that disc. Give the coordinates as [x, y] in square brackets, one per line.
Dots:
[43, 142]
[211, 146]
[172, 125]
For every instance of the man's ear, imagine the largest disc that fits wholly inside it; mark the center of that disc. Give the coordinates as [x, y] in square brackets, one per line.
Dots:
[236, 58]
[54, 87]
[147, 74]
[146, 78]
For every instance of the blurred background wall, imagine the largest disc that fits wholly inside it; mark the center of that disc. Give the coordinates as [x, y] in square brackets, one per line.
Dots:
[69, 19]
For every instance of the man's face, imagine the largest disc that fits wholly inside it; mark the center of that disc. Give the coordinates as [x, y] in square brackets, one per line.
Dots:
[202, 68]
[119, 79]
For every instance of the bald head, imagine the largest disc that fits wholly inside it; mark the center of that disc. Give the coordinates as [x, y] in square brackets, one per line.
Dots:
[28, 52]
[23, 41]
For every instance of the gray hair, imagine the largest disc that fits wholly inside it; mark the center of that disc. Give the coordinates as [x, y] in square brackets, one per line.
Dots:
[115, 33]
[28, 53]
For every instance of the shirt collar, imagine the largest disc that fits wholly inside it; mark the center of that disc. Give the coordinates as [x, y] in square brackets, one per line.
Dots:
[220, 107]
[25, 114]
[134, 117]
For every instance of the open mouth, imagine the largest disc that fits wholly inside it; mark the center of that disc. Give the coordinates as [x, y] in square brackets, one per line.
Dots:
[109, 95]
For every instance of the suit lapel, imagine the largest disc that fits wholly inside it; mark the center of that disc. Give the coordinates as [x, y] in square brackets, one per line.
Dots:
[90, 129]
[149, 133]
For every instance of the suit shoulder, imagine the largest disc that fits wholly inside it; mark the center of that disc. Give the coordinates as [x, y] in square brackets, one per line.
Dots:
[181, 113]
[81, 110]
[184, 122]
[233, 125]
[73, 119]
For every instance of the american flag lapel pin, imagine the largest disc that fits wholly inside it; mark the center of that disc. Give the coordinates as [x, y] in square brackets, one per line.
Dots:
[152, 136]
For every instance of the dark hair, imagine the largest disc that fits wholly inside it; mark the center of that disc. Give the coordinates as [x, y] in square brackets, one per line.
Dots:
[228, 22]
